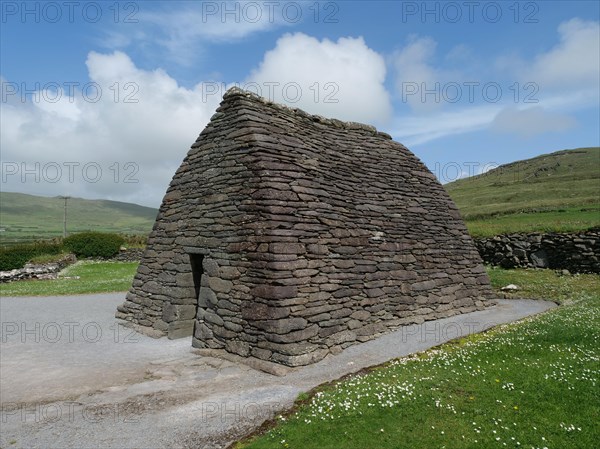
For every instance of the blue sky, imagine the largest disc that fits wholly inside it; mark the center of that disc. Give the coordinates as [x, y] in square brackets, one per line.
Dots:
[103, 99]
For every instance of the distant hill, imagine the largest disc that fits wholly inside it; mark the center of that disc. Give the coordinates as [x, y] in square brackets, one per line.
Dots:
[28, 217]
[552, 192]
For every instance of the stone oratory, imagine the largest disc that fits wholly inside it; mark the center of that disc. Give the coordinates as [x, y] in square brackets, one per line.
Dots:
[285, 236]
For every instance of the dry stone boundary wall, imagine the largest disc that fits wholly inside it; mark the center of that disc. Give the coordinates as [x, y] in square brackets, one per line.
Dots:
[37, 271]
[576, 252]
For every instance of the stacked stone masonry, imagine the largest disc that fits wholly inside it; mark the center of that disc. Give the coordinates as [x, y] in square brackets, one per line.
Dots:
[285, 236]
[576, 252]
[129, 255]
[35, 271]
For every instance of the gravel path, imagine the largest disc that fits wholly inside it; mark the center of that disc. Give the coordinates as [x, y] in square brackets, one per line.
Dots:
[71, 377]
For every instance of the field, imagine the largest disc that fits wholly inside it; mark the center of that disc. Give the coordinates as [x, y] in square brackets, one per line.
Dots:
[27, 217]
[562, 220]
[531, 384]
[554, 192]
[81, 278]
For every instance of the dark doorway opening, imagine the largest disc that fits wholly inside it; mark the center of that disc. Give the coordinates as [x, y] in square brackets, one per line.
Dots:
[196, 264]
[197, 270]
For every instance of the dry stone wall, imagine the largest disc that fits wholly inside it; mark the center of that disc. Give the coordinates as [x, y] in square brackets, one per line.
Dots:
[129, 255]
[30, 271]
[38, 271]
[576, 252]
[286, 236]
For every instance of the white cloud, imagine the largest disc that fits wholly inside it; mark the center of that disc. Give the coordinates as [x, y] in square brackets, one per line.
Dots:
[418, 129]
[566, 76]
[423, 85]
[61, 108]
[571, 64]
[549, 115]
[565, 80]
[143, 117]
[343, 79]
[414, 73]
[182, 29]
[460, 53]
[531, 121]
[574, 62]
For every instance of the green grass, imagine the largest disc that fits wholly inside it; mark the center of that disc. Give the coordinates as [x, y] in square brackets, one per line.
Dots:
[80, 278]
[546, 284]
[553, 192]
[48, 258]
[529, 384]
[565, 220]
[27, 217]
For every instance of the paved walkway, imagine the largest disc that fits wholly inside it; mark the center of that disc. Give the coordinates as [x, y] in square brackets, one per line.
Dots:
[71, 377]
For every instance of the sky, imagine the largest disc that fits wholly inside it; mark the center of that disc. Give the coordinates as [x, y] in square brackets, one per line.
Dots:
[102, 100]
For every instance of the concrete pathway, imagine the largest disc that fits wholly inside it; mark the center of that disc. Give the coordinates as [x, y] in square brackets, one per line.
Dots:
[71, 377]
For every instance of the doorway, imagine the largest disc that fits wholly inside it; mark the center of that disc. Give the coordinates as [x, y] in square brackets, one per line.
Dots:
[197, 270]
[196, 264]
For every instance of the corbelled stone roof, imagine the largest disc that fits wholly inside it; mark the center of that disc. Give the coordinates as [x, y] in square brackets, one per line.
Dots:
[280, 108]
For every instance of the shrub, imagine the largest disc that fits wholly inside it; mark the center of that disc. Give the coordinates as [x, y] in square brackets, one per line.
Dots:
[17, 256]
[49, 258]
[94, 244]
[135, 240]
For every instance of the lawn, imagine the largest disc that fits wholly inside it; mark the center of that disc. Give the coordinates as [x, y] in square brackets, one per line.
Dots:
[574, 219]
[531, 384]
[546, 284]
[80, 278]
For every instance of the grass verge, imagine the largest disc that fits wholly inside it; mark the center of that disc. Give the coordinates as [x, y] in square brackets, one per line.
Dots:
[530, 384]
[80, 278]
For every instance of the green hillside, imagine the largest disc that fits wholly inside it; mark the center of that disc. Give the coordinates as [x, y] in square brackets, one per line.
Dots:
[28, 217]
[552, 192]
